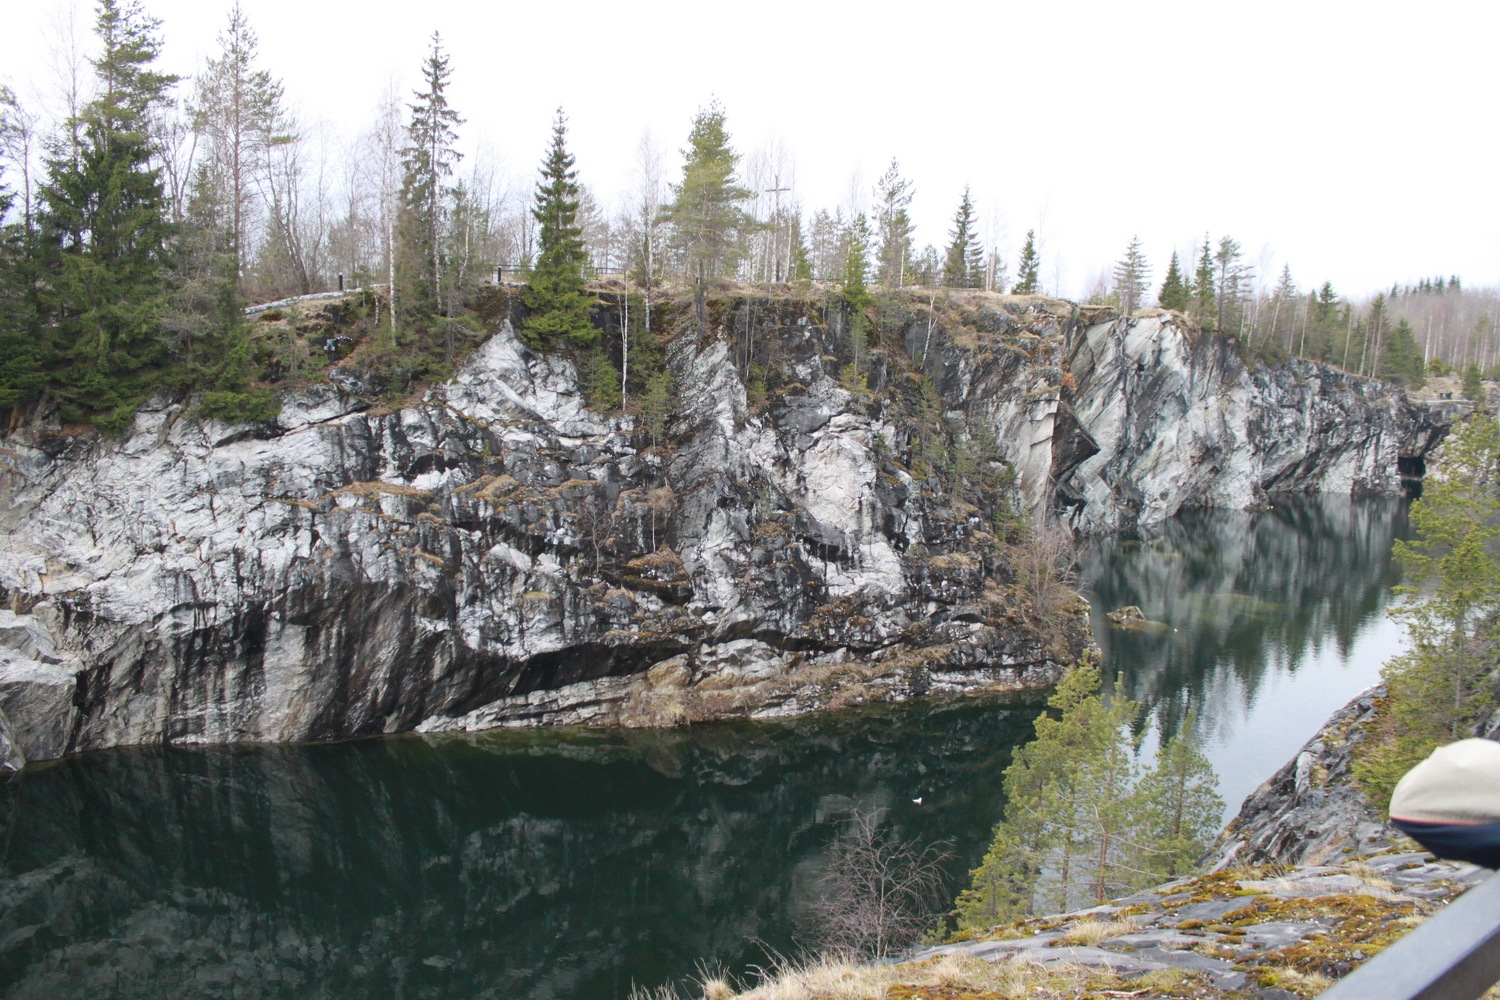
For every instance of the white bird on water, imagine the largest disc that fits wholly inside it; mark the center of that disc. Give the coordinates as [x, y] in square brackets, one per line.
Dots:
[918, 800]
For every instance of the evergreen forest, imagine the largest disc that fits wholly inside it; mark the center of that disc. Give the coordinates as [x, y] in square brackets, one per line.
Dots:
[145, 231]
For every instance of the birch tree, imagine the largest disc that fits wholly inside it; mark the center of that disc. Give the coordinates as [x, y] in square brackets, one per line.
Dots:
[238, 115]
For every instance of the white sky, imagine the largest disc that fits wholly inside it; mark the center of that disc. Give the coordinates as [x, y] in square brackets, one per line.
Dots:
[1357, 142]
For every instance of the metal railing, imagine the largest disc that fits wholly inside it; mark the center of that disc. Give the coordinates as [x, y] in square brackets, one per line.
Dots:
[518, 272]
[1455, 955]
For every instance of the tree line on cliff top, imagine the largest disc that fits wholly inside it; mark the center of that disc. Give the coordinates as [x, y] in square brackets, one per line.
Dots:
[138, 226]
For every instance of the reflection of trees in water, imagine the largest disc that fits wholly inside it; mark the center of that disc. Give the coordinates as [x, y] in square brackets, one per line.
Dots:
[515, 865]
[1241, 594]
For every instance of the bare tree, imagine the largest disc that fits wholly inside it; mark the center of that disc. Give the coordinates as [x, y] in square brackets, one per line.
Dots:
[878, 894]
[1044, 563]
[71, 78]
[18, 140]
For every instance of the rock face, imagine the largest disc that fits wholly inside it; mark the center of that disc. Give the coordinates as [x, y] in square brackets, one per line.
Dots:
[1311, 812]
[1179, 420]
[1248, 932]
[822, 523]
[499, 554]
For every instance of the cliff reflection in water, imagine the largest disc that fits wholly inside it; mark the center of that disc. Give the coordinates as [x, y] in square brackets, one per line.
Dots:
[505, 865]
[1273, 621]
[571, 864]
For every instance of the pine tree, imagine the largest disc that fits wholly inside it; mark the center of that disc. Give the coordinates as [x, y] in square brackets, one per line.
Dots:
[1180, 806]
[708, 222]
[1205, 301]
[556, 291]
[105, 230]
[1028, 280]
[427, 162]
[1131, 277]
[1081, 823]
[1174, 293]
[963, 267]
[1064, 796]
[893, 228]
[238, 120]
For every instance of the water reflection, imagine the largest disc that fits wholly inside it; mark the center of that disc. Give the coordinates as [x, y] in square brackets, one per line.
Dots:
[571, 864]
[1273, 620]
[540, 865]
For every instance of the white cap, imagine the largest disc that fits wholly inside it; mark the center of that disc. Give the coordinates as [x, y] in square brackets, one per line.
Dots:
[1457, 783]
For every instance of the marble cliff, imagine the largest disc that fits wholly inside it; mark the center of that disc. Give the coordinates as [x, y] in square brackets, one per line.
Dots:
[826, 520]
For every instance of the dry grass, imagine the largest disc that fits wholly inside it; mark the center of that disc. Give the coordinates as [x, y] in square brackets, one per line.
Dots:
[497, 487]
[654, 709]
[716, 988]
[370, 490]
[947, 976]
[1304, 984]
[1370, 877]
[1094, 932]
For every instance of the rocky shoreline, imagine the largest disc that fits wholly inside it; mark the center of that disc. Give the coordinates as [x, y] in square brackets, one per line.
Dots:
[1303, 885]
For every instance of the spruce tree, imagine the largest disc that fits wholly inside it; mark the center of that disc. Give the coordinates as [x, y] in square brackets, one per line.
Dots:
[964, 264]
[857, 297]
[1131, 277]
[21, 355]
[427, 162]
[1205, 301]
[556, 292]
[1403, 357]
[1473, 384]
[105, 229]
[801, 263]
[1028, 280]
[1174, 293]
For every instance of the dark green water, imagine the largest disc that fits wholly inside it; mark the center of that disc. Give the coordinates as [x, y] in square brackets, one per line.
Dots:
[567, 864]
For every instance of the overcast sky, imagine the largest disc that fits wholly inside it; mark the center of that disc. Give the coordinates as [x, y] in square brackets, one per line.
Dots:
[1356, 142]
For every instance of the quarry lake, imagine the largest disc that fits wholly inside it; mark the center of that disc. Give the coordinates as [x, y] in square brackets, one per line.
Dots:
[573, 864]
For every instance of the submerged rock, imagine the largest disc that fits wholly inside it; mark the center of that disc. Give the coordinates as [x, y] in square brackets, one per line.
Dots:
[1132, 618]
